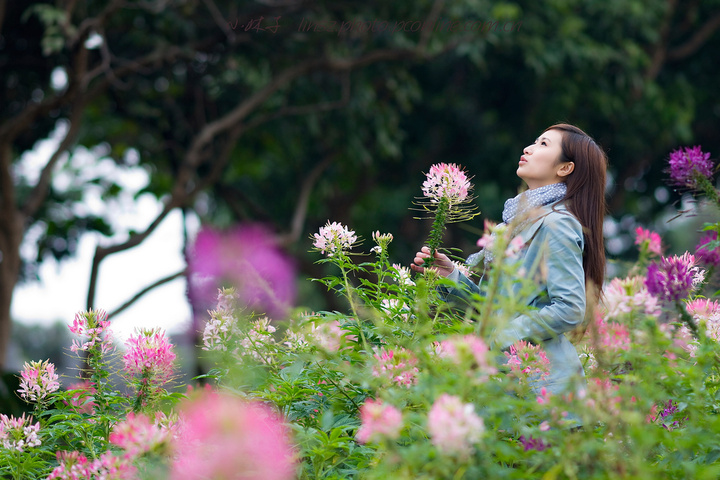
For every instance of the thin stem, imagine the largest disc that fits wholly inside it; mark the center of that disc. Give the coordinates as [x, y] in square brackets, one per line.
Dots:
[348, 294]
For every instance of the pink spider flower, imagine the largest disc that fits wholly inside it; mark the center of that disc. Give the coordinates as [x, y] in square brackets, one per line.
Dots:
[38, 380]
[76, 466]
[94, 325]
[18, 433]
[454, 426]
[527, 360]
[446, 181]
[138, 435]
[378, 421]
[628, 295]
[647, 239]
[334, 238]
[612, 336]
[468, 351]
[150, 356]
[397, 366]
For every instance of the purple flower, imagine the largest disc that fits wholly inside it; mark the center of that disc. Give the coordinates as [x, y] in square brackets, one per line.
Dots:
[705, 254]
[686, 164]
[247, 258]
[674, 278]
[531, 443]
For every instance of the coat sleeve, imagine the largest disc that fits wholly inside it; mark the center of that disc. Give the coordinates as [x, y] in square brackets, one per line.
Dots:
[559, 245]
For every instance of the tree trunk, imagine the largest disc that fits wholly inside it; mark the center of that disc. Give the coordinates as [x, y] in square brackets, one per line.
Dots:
[11, 233]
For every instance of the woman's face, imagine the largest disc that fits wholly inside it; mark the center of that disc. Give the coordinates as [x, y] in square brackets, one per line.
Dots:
[539, 165]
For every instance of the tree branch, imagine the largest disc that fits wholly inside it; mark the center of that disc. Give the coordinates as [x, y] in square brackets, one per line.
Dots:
[40, 191]
[298, 220]
[659, 53]
[145, 290]
[701, 36]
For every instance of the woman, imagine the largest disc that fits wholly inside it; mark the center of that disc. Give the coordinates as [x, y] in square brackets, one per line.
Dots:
[559, 223]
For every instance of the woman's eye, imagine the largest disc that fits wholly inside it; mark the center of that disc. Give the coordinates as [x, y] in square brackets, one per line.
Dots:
[543, 143]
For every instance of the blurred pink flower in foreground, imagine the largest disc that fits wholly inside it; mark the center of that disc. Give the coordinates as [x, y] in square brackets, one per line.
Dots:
[247, 258]
[378, 420]
[231, 438]
[454, 426]
[651, 239]
[38, 381]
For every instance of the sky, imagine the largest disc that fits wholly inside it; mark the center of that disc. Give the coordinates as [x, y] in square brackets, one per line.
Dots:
[62, 289]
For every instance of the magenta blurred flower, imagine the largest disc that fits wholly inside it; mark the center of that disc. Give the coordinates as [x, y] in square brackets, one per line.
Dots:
[446, 181]
[705, 254]
[81, 397]
[378, 421]
[247, 258]
[527, 360]
[95, 325]
[38, 380]
[687, 164]
[674, 278]
[334, 238]
[649, 240]
[397, 366]
[531, 443]
[230, 438]
[18, 433]
[149, 355]
[454, 426]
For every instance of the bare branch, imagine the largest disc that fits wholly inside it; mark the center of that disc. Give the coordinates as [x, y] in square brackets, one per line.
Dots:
[298, 220]
[40, 191]
[221, 22]
[430, 20]
[306, 109]
[104, 67]
[701, 36]
[145, 290]
[95, 23]
[659, 53]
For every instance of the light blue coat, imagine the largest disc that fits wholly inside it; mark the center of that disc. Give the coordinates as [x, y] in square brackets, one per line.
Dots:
[553, 244]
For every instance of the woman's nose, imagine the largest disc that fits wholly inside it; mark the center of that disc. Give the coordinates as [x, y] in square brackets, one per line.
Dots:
[527, 150]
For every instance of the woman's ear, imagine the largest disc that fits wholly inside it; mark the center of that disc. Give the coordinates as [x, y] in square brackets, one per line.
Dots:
[566, 169]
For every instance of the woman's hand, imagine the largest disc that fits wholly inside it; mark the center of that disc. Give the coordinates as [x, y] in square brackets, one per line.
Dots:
[442, 263]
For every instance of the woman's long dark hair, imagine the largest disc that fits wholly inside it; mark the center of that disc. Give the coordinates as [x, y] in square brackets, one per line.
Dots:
[585, 198]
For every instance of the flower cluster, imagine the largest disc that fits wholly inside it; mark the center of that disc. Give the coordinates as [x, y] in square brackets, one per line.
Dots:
[532, 443]
[219, 330]
[468, 351]
[402, 274]
[150, 356]
[382, 240]
[18, 433]
[38, 380]
[687, 165]
[527, 360]
[95, 325]
[454, 426]
[137, 435]
[398, 366]
[76, 466]
[674, 278]
[629, 295]
[255, 341]
[334, 238]
[648, 241]
[227, 437]
[612, 336]
[446, 181]
[378, 421]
